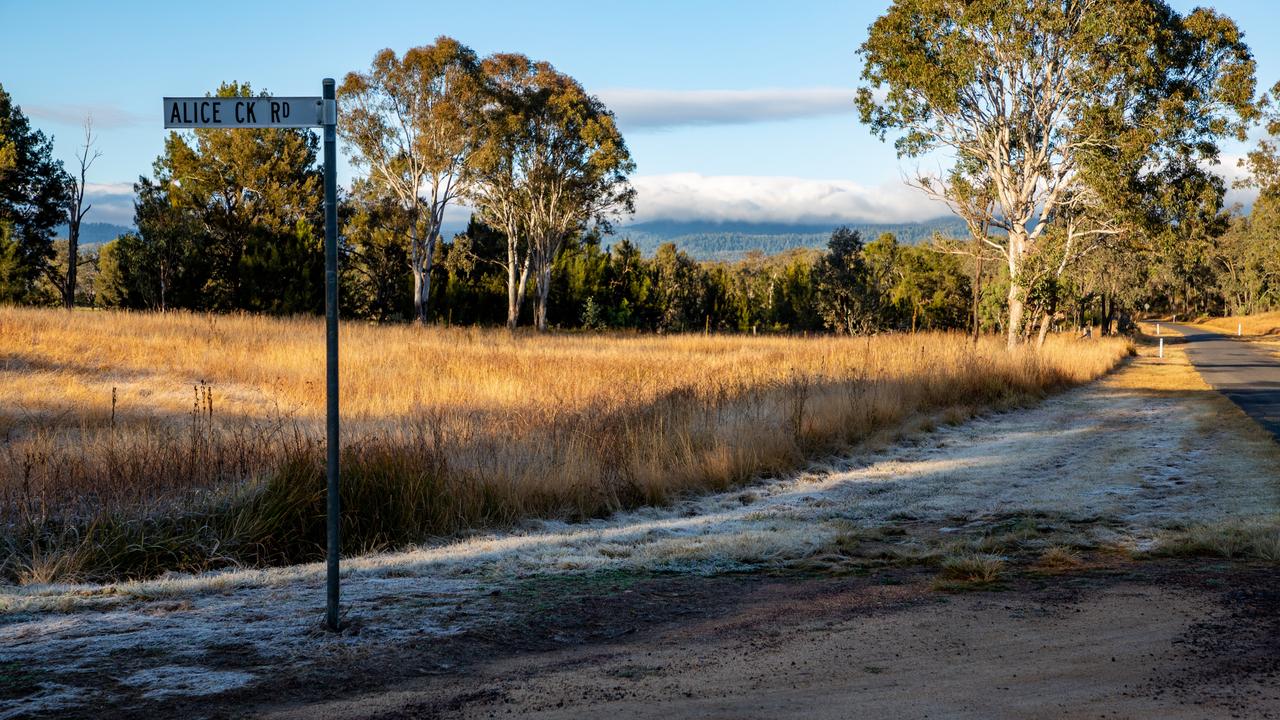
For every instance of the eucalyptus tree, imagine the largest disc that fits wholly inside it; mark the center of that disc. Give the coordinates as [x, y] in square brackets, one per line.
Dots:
[1248, 255]
[1189, 217]
[499, 169]
[553, 165]
[1247, 261]
[1037, 92]
[1262, 164]
[410, 122]
[969, 193]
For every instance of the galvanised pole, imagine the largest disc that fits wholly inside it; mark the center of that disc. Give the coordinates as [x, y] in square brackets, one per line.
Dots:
[330, 125]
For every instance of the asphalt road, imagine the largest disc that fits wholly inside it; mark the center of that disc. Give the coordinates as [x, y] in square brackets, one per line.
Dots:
[1246, 373]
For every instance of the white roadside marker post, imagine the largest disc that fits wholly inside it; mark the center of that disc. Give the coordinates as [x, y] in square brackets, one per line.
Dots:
[1239, 329]
[1157, 329]
[226, 113]
[1162, 347]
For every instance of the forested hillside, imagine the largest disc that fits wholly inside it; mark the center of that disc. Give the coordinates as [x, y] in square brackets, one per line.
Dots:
[731, 241]
[94, 234]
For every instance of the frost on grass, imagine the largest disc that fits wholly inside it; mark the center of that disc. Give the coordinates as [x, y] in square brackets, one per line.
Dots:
[1110, 465]
[180, 680]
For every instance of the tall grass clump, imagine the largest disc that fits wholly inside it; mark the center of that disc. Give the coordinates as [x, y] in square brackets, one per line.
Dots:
[137, 443]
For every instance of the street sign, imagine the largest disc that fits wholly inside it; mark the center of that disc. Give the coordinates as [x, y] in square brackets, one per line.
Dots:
[243, 112]
[296, 112]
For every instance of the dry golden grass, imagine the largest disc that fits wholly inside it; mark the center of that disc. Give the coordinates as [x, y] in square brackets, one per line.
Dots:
[1255, 325]
[1172, 373]
[120, 426]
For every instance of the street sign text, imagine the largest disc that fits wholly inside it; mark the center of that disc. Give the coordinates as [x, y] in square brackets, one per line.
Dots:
[242, 112]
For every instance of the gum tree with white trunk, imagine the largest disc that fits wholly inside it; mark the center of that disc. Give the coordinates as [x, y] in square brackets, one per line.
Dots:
[552, 164]
[410, 122]
[1037, 92]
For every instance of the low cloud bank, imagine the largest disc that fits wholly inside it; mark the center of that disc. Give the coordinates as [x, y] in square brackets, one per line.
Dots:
[639, 109]
[773, 199]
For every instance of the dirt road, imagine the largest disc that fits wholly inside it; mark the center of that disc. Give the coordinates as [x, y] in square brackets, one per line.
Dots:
[824, 592]
[1155, 642]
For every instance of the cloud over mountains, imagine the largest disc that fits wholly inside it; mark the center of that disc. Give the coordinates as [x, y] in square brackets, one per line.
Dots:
[639, 109]
[112, 203]
[773, 199]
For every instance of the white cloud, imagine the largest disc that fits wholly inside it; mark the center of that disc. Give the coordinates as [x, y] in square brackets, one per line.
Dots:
[1229, 169]
[109, 189]
[658, 109]
[772, 199]
[112, 203]
[104, 116]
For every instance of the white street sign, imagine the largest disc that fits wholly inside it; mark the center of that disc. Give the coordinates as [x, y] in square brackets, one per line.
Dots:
[243, 112]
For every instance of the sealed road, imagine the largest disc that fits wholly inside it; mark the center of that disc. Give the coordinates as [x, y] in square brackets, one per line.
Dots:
[1244, 372]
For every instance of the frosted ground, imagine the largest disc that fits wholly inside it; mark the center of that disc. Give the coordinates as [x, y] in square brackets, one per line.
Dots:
[1113, 464]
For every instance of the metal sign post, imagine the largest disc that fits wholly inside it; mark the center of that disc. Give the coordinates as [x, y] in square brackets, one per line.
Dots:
[329, 120]
[295, 112]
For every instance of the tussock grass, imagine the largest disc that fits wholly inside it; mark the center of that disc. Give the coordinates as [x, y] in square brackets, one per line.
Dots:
[1253, 539]
[139, 443]
[1059, 558]
[969, 569]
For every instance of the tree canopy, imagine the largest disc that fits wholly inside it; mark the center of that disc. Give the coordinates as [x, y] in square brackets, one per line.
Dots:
[1052, 103]
[33, 194]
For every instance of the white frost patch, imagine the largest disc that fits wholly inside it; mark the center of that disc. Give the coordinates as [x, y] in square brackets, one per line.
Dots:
[1123, 463]
[186, 680]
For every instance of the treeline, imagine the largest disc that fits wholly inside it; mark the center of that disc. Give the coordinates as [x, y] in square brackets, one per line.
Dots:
[716, 241]
[849, 287]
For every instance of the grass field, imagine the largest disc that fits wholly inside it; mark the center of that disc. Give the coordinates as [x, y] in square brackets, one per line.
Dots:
[1259, 324]
[136, 443]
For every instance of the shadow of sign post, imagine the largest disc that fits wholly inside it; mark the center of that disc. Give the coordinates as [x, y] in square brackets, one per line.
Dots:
[229, 113]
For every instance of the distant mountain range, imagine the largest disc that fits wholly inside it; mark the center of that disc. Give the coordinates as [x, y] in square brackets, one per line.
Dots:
[703, 240]
[728, 241]
[93, 234]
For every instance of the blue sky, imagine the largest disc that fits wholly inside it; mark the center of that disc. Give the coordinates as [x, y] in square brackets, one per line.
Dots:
[734, 110]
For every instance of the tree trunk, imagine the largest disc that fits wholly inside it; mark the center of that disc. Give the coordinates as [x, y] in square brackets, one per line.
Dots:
[73, 263]
[423, 297]
[415, 264]
[517, 282]
[75, 215]
[1017, 247]
[1015, 314]
[1045, 320]
[977, 280]
[1108, 313]
[544, 292]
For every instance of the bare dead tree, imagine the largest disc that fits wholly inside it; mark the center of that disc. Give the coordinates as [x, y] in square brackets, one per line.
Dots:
[76, 210]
